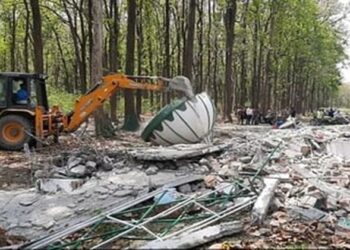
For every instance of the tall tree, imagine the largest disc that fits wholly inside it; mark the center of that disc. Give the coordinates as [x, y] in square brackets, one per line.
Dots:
[230, 18]
[37, 37]
[131, 122]
[140, 55]
[167, 59]
[13, 26]
[187, 61]
[26, 37]
[113, 51]
[243, 56]
[102, 124]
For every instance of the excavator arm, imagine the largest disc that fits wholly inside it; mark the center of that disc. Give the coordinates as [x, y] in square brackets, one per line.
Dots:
[102, 91]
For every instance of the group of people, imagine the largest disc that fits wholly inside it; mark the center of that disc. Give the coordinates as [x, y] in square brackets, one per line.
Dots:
[321, 113]
[248, 116]
[253, 116]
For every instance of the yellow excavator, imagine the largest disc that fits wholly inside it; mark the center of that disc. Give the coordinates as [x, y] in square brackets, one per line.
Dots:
[31, 120]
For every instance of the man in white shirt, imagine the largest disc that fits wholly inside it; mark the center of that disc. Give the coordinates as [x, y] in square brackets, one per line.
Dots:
[249, 113]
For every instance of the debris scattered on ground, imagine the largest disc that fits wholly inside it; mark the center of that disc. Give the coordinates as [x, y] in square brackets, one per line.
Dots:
[287, 187]
[198, 238]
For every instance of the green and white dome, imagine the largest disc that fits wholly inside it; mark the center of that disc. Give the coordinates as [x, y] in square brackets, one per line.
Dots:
[184, 121]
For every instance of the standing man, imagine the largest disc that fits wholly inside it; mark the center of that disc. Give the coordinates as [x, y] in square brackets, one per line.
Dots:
[292, 112]
[249, 115]
[241, 115]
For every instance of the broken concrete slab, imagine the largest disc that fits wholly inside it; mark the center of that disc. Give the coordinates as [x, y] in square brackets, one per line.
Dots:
[340, 148]
[332, 190]
[152, 170]
[307, 201]
[310, 214]
[123, 193]
[59, 212]
[176, 152]
[86, 219]
[246, 159]
[263, 201]
[74, 161]
[78, 171]
[56, 185]
[28, 199]
[197, 238]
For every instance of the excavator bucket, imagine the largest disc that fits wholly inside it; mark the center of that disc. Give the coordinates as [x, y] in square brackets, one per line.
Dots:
[183, 84]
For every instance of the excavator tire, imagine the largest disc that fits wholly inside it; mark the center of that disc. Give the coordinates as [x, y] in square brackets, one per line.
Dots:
[12, 132]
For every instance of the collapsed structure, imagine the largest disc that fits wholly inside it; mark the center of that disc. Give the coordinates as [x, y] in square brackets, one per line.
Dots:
[275, 187]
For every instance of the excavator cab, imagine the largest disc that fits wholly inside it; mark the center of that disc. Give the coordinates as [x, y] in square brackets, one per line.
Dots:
[20, 94]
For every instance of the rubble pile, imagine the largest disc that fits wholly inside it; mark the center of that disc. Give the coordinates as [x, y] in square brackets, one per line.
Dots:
[286, 187]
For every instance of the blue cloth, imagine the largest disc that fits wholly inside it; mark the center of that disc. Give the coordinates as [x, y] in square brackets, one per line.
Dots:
[279, 123]
[22, 95]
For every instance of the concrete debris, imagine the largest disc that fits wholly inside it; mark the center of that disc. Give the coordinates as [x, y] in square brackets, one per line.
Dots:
[152, 170]
[340, 148]
[288, 180]
[310, 214]
[245, 159]
[78, 171]
[197, 238]
[28, 199]
[262, 204]
[176, 152]
[225, 188]
[290, 123]
[332, 190]
[186, 189]
[56, 185]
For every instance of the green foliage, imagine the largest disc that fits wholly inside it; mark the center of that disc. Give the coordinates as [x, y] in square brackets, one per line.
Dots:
[61, 98]
[295, 39]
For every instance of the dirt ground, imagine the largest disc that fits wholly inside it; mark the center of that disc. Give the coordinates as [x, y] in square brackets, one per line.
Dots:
[15, 167]
[14, 171]
[10, 240]
[14, 178]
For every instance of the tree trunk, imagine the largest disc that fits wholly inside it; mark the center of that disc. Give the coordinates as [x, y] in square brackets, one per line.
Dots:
[139, 57]
[254, 93]
[80, 71]
[150, 57]
[37, 37]
[188, 50]
[113, 53]
[13, 26]
[103, 125]
[131, 122]
[208, 76]
[243, 78]
[215, 70]
[83, 51]
[230, 17]
[68, 86]
[200, 25]
[166, 69]
[26, 38]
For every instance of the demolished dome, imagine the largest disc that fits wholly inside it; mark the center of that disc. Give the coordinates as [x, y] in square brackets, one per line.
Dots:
[184, 121]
